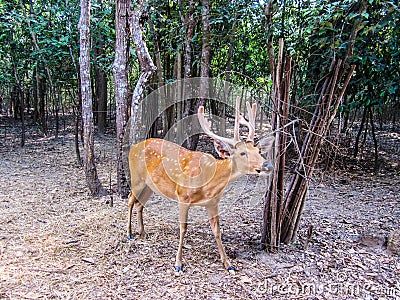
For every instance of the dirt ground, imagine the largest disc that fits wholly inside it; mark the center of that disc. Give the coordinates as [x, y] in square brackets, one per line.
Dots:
[57, 242]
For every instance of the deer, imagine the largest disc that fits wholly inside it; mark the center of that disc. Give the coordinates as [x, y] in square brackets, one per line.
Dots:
[195, 178]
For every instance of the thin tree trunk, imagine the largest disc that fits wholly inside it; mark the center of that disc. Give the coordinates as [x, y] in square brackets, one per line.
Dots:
[42, 103]
[100, 89]
[168, 114]
[22, 117]
[57, 100]
[35, 89]
[120, 70]
[204, 71]
[357, 142]
[76, 137]
[178, 94]
[100, 83]
[365, 129]
[77, 107]
[101, 98]
[268, 12]
[159, 80]
[92, 179]
[147, 68]
[187, 57]
[376, 152]
[19, 97]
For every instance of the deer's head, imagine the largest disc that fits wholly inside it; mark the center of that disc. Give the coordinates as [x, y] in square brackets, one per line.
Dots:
[247, 157]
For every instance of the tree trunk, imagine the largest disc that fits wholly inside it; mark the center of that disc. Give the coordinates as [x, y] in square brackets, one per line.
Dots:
[42, 103]
[14, 102]
[101, 97]
[35, 89]
[357, 142]
[100, 82]
[159, 80]
[100, 89]
[92, 179]
[77, 107]
[22, 117]
[147, 68]
[19, 98]
[57, 101]
[205, 47]
[120, 68]
[178, 94]
[77, 122]
[204, 68]
[188, 109]
[167, 117]
[376, 152]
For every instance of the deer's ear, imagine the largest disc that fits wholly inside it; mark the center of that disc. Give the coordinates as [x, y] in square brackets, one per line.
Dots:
[265, 144]
[223, 149]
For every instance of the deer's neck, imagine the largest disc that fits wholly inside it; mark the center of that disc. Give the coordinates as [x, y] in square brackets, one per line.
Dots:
[228, 170]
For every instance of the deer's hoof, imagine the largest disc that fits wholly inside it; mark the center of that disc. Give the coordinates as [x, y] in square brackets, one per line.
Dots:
[143, 236]
[130, 237]
[178, 270]
[232, 270]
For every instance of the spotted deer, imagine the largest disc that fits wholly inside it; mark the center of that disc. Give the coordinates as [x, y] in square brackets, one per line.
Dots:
[195, 178]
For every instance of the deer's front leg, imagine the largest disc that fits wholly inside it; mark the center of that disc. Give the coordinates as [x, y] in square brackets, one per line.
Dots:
[183, 216]
[213, 214]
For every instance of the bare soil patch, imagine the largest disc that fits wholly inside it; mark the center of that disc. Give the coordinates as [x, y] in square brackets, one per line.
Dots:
[58, 242]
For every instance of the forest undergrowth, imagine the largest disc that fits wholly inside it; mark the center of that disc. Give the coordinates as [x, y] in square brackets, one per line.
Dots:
[57, 242]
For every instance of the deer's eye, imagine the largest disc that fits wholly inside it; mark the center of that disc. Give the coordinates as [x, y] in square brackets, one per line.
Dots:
[243, 153]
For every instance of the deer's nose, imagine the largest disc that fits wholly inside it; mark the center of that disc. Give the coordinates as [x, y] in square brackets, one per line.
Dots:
[267, 166]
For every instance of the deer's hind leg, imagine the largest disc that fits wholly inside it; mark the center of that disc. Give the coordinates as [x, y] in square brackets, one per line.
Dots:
[138, 198]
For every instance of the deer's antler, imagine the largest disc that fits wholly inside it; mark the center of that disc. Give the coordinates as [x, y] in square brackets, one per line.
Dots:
[251, 124]
[239, 119]
[205, 125]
